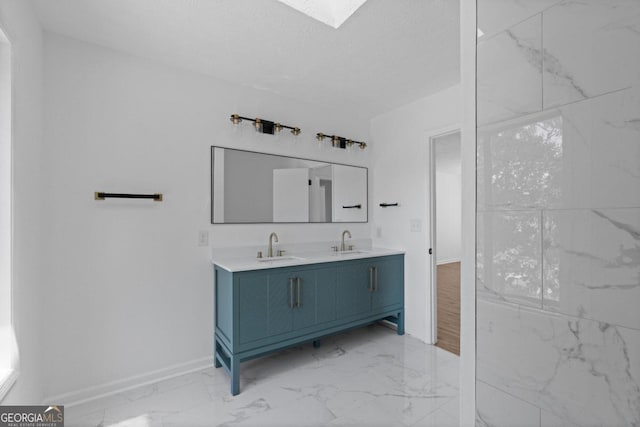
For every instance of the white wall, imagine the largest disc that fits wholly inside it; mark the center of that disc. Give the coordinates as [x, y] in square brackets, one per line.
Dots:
[128, 290]
[5, 188]
[448, 214]
[20, 25]
[400, 141]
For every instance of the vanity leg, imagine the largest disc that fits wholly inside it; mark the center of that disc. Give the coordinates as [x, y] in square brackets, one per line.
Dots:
[316, 343]
[400, 324]
[216, 352]
[235, 375]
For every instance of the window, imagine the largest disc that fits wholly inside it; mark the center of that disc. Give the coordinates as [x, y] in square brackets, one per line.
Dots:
[8, 348]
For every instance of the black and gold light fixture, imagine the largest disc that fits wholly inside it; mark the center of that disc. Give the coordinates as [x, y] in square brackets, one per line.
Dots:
[340, 141]
[264, 126]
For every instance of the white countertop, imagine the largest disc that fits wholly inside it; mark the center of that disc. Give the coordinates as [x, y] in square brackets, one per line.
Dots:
[245, 263]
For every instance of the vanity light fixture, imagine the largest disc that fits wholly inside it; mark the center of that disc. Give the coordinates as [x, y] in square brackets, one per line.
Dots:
[264, 126]
[340, 141]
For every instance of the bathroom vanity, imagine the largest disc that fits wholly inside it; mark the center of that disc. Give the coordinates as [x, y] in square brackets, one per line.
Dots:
[265, 305]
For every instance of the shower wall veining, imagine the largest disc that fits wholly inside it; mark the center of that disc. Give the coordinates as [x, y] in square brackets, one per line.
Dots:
[558, 214]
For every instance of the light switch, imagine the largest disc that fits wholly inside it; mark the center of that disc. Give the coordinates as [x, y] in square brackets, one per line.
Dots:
[416, 225]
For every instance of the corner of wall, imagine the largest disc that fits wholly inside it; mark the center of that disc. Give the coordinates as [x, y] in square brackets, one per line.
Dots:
[399, 173]
[25, 34]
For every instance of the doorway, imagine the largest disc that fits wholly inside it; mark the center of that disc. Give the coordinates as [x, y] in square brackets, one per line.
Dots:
[446, 217]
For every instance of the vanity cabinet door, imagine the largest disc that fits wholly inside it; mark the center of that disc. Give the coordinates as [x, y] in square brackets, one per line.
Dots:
[353, 290]
[370, 285]
[292, 301]
[326, 294]
[281, 302]
[252, 293]
[304, 304]
[388, 283]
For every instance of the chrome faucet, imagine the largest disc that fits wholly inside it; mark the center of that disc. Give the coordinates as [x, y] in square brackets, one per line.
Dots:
[342, 246]
[271, 237]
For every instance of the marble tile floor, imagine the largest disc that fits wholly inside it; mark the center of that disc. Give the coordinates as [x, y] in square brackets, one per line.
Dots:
[365, 377]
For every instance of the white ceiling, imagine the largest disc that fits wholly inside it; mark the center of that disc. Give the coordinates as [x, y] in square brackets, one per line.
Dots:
[387, 54]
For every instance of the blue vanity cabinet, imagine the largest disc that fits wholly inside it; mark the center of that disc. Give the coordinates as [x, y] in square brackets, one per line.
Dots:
[354, 283]
[388, 280]
[261, 311]
[279, 301]
[252, 298]
[371, 285]
[300, 299]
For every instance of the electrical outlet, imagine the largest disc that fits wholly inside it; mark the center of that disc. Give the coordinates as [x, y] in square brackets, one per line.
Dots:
[416, 225]
[203, 238]
[378, 232]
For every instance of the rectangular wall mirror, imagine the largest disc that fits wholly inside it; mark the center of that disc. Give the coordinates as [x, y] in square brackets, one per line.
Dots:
[249, 187]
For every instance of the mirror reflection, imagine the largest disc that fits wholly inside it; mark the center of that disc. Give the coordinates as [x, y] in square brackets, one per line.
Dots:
[250, 187]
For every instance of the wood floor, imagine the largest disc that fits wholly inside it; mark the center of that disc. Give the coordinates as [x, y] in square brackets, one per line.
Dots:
[448, 301]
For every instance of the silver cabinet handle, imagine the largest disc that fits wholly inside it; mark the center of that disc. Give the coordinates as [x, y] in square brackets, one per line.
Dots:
[375, 287]
[291, 292]
[371, 279]
[299, 280]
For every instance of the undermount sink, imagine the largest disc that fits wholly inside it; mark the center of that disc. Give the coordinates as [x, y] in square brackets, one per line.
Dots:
[353, 252]
[280, 259]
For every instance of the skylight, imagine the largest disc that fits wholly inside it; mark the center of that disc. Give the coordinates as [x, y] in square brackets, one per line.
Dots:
[331, 12]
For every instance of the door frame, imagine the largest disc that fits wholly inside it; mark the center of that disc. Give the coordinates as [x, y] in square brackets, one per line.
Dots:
[438, 133]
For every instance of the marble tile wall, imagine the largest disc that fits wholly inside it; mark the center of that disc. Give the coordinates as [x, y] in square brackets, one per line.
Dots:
[558, 222]
[510, 59]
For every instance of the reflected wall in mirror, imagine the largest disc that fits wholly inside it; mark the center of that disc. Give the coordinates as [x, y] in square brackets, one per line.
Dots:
[249, 187]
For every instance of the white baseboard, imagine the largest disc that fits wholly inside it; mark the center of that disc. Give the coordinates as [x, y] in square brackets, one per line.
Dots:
[447, 261]
[96, 392]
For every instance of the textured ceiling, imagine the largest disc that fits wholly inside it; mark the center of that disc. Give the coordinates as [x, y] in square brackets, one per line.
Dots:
[388, 53]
